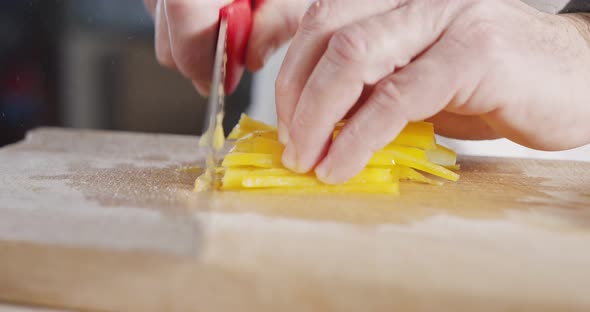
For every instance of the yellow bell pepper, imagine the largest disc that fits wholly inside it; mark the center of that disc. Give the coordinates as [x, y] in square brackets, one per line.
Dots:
[412, 151]
[417, 134]
[254, 180]
[252, 160]
[424, 165]
[254, 163]
[257, 144]
[409, 174]
[233, 176]
[441, 155]
[248, 125]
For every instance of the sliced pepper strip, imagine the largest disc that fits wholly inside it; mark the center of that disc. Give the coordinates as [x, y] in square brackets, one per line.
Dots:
[416, 134]
[443, 156]
[412, 151]
[252, 160]
[423, 165]
[263, 181]
[257, 144]
[248, 125]
[407, 173]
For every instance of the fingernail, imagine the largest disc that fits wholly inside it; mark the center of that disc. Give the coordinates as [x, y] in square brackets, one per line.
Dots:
[283, 133]
[290, 157]
[324, 173]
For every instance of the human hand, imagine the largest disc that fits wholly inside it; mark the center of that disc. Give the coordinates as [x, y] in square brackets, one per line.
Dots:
[478, 69]
[186, 30]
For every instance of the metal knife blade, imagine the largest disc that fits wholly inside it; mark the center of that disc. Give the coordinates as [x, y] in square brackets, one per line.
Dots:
[215, 106]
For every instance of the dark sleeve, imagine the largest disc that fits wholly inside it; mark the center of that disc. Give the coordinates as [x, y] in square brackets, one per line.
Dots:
[577, 6]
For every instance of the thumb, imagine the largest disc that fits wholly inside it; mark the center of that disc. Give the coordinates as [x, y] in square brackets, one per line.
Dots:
[275, 22]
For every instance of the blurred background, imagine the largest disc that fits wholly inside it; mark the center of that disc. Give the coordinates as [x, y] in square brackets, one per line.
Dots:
[91, 64]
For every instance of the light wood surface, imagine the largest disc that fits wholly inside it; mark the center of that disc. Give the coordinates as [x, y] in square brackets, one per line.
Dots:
[103, 221]
[14, 308]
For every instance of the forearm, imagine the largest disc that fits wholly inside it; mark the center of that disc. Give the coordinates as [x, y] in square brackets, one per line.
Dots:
[582, 23]
[578, 11]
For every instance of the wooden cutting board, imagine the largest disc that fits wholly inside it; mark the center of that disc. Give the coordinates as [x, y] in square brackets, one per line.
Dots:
[104, 221]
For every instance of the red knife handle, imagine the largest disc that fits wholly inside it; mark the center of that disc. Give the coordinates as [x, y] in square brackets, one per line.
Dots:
[239, 24]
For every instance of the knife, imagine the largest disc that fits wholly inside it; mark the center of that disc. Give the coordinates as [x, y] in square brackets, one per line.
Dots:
[235, 23]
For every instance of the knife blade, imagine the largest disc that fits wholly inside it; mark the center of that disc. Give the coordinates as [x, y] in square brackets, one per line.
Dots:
[215, 106]
[235, 23]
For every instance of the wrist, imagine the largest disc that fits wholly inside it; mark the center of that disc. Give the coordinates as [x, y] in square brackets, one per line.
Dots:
[577, 26]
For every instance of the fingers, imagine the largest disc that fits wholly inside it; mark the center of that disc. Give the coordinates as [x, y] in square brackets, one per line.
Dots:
[462, 127]
[418, 91]
[162, 40]
[192, 29]
[321, 20]
[275, 22]
[371, 128]
[186, 33]
[357, 55]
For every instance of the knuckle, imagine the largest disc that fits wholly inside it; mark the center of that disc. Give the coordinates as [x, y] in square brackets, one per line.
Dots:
[353, 134]
[481, 37]
[488, 34]
[302, 120]
[482, 32]
[300, 127]
[487, 40]
[387, 98]
[349, 45]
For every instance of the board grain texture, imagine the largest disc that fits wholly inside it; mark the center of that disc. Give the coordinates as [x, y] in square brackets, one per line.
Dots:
[104, 221]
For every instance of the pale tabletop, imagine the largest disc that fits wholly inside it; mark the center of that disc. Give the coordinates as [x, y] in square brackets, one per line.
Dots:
[13, 308]
[104, 221]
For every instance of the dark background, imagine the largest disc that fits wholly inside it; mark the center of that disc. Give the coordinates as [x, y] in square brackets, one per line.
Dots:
[91, 64]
